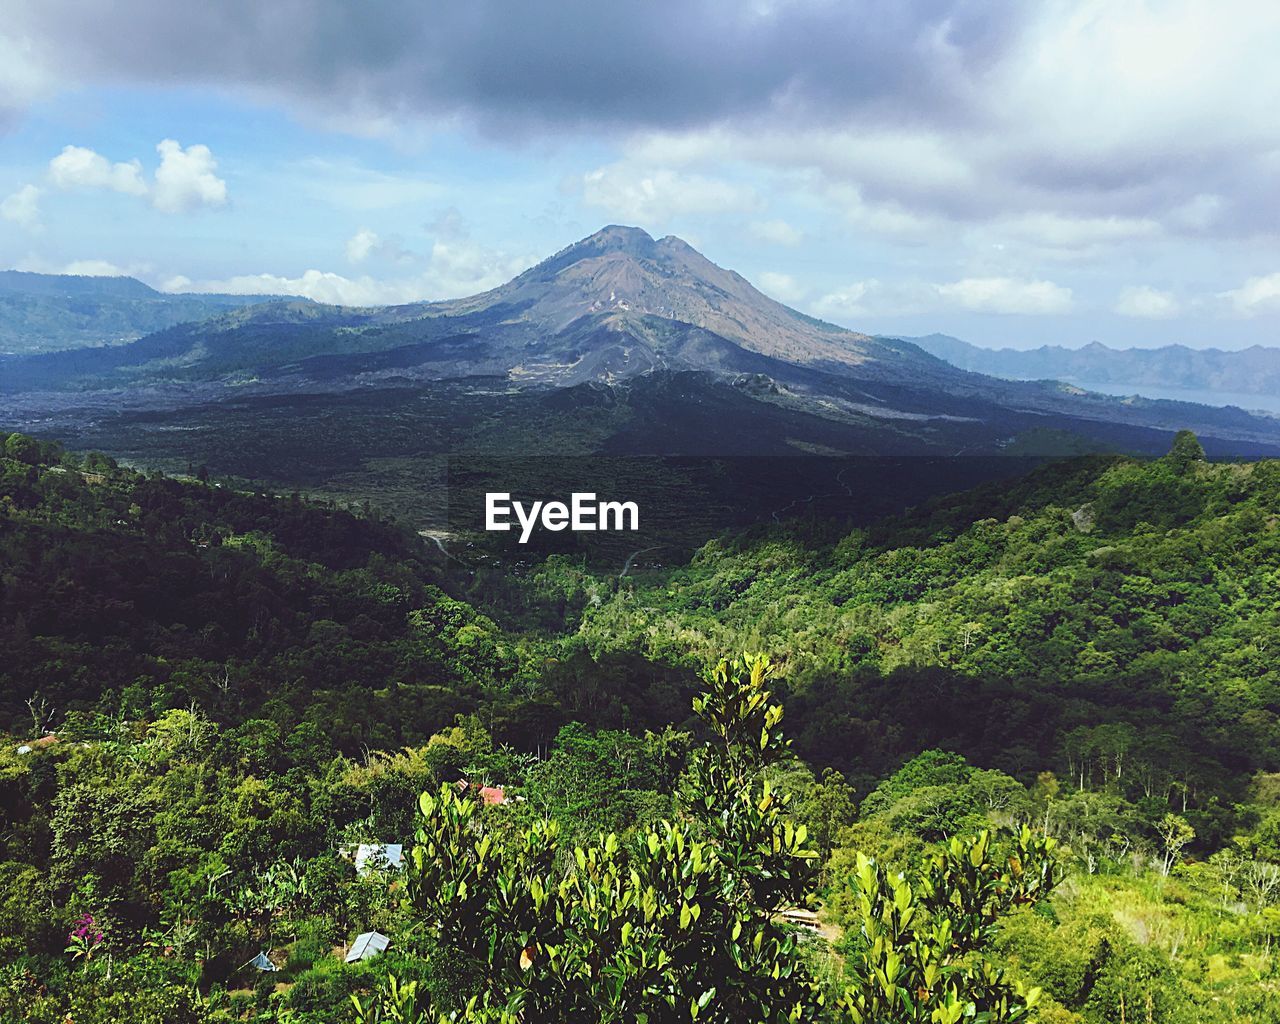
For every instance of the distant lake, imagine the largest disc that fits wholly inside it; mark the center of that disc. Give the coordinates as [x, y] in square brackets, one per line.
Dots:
[1266, 403]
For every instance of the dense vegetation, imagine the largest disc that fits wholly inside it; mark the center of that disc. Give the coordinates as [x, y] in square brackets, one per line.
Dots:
[240, 689]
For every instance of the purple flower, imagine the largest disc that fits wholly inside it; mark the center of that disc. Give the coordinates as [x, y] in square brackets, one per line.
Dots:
[84, 938]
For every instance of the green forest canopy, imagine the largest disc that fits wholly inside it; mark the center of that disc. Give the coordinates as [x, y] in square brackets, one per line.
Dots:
[1086, 652]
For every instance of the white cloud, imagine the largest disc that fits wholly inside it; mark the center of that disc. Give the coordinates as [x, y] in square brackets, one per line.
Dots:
[888, 218]
[23, 207]
[456, 268]
[78, 167]
[361, 245]
[23, 76]
[647, 196]
[1059, 231]
[1007, 295]
[848, 301]
[461, 267]
[367, 243]
[873, 297]
[1256, 295]
[322, 286]
[783, 287]
[185, 179]
[1147, 303]
[1199, 213]
[94, 268]
[776, 232]
[1091, 124]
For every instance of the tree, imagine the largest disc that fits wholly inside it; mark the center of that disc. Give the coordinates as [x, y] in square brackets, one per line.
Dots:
[684, 923]
[919, 941]
[1185, 451]
[22, 448]
[681, 926]
[1174, 832]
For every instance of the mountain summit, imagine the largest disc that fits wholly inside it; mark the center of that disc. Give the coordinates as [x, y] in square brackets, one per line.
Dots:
[623, 280]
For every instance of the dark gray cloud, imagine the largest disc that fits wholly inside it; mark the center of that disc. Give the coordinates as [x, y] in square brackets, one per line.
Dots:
[963, 110]
[659, 64]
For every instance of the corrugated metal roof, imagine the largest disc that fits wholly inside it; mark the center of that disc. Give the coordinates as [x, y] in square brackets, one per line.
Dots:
[378, 855]
[367, 944]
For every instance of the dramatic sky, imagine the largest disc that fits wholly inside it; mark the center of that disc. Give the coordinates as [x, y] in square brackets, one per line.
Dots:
[1013, 173]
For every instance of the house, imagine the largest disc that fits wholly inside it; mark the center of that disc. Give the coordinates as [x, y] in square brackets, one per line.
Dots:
[261, 962]
[43, 741]
[375, 856]
[490, 796]
[801, 918]
[809, 923]
[367, 945]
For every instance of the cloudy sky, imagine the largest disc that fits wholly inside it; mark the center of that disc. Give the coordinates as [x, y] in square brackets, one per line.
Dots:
[1011, 173]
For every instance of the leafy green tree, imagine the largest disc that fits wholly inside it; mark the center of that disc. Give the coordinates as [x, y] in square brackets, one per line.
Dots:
[680, 926]
[22, 448]
[684, 924]
[1175, 832]
[918, 943]
[1186, 451]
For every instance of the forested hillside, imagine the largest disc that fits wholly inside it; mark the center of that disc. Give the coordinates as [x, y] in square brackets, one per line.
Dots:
[212, 699]
[1010, 622]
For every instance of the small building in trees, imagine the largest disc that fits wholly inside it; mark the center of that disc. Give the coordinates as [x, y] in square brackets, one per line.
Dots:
[366, 946]
[37, 744]
[493, 796]
[369, 857]
[490, 796]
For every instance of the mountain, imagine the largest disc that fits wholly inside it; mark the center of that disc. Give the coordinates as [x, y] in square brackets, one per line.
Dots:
[53, 312]
[613, 306]
[619, 343]
[1251, 371]
[20, 282]
[660, 302]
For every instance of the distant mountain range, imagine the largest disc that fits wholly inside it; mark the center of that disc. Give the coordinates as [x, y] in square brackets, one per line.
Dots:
[51, 312]
[1249, 371]
[619, 343]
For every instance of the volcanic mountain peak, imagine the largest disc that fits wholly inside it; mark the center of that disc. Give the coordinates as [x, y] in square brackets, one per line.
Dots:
[622, 278]
[613, 238]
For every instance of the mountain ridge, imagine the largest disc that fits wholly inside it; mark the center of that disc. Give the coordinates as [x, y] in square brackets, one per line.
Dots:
[665, 278]
[1252, 370]
[42, 313]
